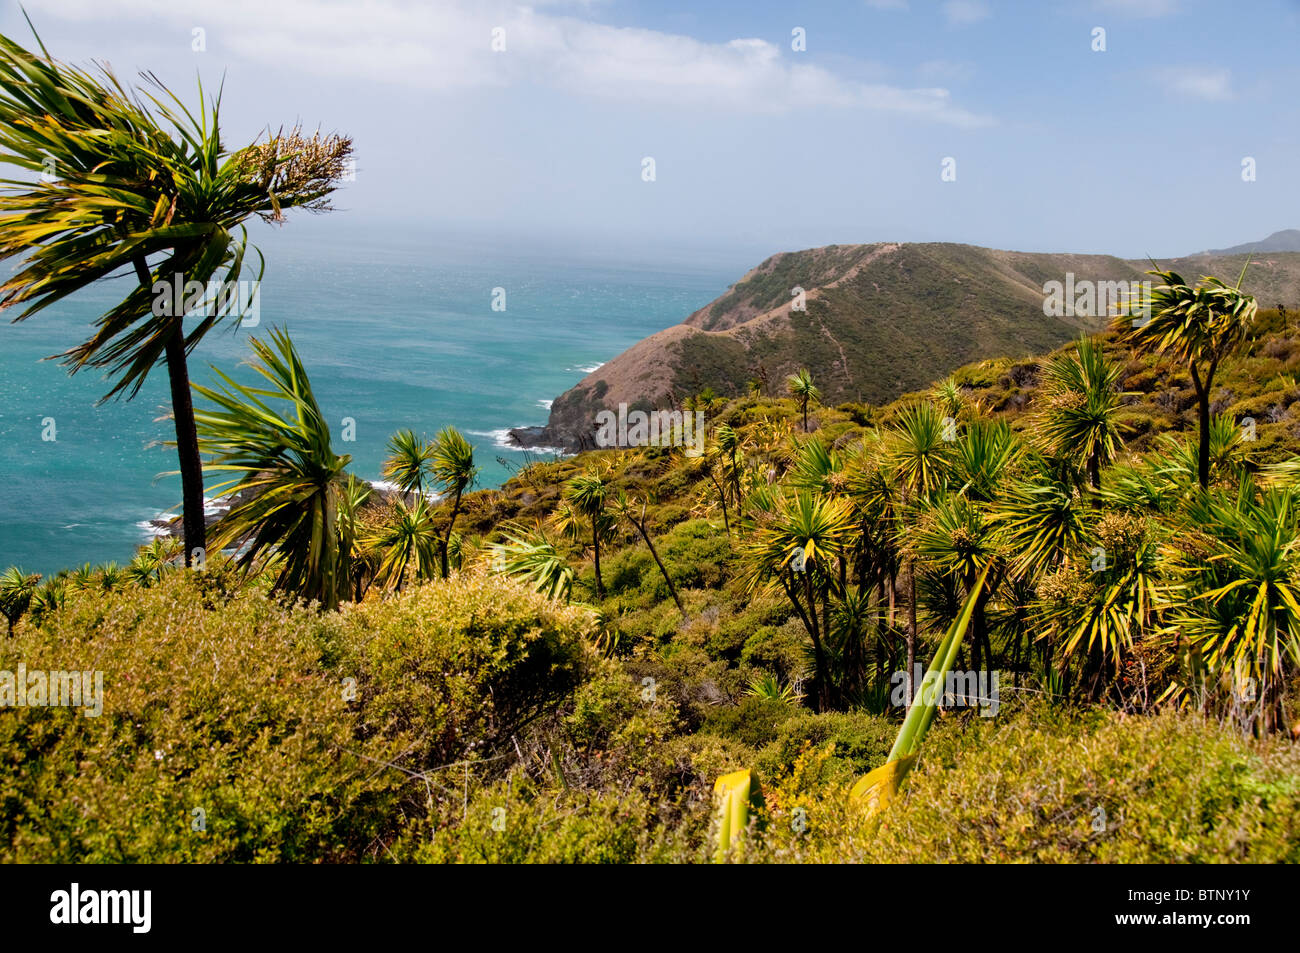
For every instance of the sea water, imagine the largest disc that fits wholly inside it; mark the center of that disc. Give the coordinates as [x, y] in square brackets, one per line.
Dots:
[396, 329]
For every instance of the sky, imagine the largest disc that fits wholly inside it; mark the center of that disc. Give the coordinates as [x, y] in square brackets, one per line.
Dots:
[771, 126]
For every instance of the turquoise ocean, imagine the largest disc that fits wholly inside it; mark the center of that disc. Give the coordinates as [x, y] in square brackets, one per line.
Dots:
[396, 329]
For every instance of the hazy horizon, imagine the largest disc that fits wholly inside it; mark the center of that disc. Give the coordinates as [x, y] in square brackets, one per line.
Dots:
[759, 147]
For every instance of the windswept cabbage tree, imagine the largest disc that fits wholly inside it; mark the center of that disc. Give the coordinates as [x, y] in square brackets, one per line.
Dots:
[1196, 325]
[798, 547]
[1102, 603]
[626, 509]
[1235, 592]
[588, 494]
[356, 494]
[406, 543]
[530, 556]
[452, 460]
[918, 451]
[958, 541]
[16, 591]
[151, 562]
[291, 483]
[409, 463]
[115, 181]
[726, 459]
[800, 386]
[1081, 394]
[984, 458]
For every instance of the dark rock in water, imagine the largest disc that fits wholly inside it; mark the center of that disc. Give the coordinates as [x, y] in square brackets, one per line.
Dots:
[528, 436]
[542, 438]
[213, 510]
[171, 527]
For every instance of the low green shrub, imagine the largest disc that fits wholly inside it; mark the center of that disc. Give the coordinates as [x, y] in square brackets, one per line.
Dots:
[1113, 789]
[229, 733]
[857, 742]
[754, 722]
[1050, 785]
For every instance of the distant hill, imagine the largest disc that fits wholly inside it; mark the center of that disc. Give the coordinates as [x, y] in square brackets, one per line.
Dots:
[1286, 240]
[880, 320]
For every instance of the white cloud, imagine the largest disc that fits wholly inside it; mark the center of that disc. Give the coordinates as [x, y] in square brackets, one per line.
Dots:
[1210, 85]
[447, 46]
[946, 71]
[965, 12]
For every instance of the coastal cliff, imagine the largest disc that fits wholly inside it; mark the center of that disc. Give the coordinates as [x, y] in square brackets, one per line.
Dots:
[871, 322]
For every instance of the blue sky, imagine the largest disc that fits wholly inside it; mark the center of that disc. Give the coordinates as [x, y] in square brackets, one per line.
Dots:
[758, 147]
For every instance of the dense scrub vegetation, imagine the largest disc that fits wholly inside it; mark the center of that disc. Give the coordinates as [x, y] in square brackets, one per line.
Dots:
[483, 726]
[524, 708]
[292, 733]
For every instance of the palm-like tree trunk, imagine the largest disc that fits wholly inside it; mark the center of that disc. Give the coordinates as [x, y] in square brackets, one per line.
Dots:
[862, 555]
[881, 601]
[640, 525]
[883, 638]
[911, 627]
[187, 438]
[722, 495]
[187, 447]
[446, 543]
[1203, 417]
[831, 692]
[809, 619]
[893, 598]
[981, 645]
[595, 545]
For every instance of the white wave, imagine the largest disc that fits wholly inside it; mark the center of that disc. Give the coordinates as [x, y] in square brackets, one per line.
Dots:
[384, 486]
[149, 529]
[215, 506]
[588, 368]
[212, 506]
[545, 404]
[501, 440]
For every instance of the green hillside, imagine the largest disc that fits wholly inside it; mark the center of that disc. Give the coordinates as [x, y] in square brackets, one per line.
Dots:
[880, 320]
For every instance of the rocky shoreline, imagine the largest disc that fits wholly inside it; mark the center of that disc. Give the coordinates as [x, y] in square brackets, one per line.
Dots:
[540, 438]
[544, 439]
[570, 427]
[214, 509]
